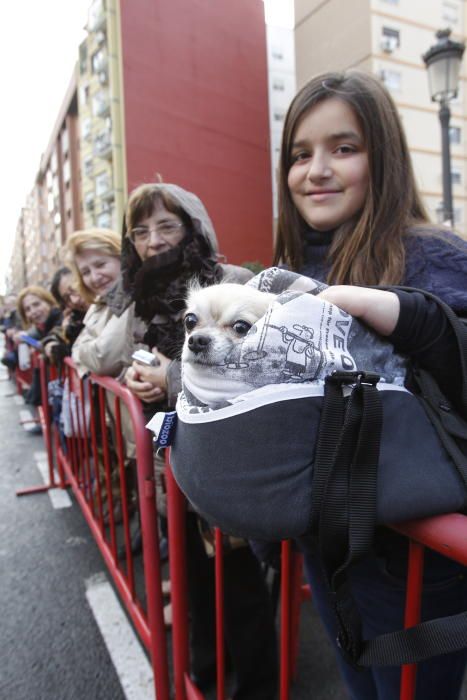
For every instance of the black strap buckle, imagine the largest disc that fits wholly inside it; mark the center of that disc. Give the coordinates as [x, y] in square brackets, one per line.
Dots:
[357, 377]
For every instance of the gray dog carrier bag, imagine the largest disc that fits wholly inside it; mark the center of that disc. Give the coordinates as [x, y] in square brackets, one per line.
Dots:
[307, 430]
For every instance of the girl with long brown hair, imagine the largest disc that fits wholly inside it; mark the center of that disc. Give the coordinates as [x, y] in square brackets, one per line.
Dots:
[350, 214]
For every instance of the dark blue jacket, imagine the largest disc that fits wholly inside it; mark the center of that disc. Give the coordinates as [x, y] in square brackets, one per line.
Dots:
[436, 263]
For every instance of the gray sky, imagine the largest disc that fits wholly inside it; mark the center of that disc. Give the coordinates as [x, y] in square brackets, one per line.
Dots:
[38, 47]
[39, 42]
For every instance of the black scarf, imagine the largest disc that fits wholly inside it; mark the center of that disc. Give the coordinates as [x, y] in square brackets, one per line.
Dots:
[159, 288]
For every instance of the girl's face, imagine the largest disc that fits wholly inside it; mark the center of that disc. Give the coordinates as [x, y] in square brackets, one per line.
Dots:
[35, 309]
[157, 234]
[99, 270]
[329, 177]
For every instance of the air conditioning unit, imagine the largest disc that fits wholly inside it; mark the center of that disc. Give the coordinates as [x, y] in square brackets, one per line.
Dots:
[388, 44]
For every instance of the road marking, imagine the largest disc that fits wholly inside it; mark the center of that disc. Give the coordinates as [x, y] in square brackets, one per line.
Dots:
[58, 497]
[128, 657]
[19, 401]
[26, 415]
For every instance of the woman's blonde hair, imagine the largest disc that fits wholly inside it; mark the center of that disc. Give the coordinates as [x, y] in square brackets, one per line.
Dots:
[38, 292]
[101, 239]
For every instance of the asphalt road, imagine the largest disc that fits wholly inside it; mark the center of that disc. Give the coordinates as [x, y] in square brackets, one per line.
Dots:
[50, 645]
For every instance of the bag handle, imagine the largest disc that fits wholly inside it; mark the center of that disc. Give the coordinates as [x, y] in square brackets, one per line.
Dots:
[346, 526]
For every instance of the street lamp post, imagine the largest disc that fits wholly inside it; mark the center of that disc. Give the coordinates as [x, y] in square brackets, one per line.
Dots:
[443, 61]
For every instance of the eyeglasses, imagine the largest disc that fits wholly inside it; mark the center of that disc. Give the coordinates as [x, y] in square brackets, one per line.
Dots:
[166, 230]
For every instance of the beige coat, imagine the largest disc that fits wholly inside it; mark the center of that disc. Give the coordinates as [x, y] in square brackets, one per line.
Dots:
[105, 344]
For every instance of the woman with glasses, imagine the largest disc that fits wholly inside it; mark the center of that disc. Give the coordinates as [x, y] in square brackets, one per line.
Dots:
[168, 239]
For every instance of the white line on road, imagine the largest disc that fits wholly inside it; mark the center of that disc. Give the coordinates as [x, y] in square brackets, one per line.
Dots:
[128, 657]
[58, 497]
[26, 415]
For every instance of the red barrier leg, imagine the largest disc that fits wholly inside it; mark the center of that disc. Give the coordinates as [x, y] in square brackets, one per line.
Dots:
[177, 563]
[219, 564]
[285, 621]
[412, 614]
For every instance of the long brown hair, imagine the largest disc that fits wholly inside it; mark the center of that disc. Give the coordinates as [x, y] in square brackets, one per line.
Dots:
[368, 249]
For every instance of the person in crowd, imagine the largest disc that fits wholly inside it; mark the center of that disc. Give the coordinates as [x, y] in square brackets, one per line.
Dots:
[10, 325]
[39, 315]
[104, 346]
[168, 239]
[58, 344]
[350, 214]
[38, 312]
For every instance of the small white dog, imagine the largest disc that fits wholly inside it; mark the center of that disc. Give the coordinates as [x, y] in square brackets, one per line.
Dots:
[218, 318]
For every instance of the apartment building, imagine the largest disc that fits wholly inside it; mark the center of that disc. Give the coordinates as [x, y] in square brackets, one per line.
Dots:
[388, 38]
[178, 90]
[103, 175]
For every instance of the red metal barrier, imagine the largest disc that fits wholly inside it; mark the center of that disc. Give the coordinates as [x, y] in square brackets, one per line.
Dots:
[91, 459]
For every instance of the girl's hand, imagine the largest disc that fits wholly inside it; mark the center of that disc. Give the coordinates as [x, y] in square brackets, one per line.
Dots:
[376, 307]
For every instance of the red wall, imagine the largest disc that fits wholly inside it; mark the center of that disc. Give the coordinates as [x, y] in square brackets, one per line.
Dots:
[196, 111]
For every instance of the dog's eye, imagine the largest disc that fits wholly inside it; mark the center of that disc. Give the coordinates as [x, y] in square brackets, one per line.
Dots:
[241, 327]
[190, 321]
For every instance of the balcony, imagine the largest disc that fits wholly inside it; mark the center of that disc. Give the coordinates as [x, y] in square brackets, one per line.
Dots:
[103, 146]
[96, 16]
[101, 104]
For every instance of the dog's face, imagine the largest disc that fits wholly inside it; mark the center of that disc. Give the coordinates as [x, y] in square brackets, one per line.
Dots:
[218, 318]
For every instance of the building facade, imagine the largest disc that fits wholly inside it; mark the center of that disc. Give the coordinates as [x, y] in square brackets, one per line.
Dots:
[388, 38]
[169, 89]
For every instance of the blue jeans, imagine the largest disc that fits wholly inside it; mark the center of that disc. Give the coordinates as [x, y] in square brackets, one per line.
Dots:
[378, 587]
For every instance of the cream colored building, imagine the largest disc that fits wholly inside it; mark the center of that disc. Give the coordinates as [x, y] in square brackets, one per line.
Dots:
[103, 183]
[388, 38]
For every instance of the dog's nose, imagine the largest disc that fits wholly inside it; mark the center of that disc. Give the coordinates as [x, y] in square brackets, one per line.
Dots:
[198, 343]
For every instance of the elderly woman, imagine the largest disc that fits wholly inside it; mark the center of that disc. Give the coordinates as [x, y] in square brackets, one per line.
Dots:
[103, 346]
[168, 239]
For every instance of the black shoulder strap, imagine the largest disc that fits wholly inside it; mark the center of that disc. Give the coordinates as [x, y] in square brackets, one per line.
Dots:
[345, 527]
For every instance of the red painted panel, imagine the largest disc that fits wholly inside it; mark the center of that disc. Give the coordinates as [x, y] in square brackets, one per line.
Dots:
[196, 111]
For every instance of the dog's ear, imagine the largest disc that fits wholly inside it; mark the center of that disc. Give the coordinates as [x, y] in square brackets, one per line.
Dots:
[192, 288]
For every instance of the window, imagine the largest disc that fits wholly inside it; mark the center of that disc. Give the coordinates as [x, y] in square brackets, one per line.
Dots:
[458, 215]
[104, 220]
[66, 171]
[88, 166]
[99, 61]
[454, 134]
[278, 114]
[456, 176]
[277, 53]
[83, 58]
[65, 141]
[390, 39]
[103, 183]
[278, 84]
[451, 11]
[84, 94]
[392, 79]
[100, 103]
[86, 129]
